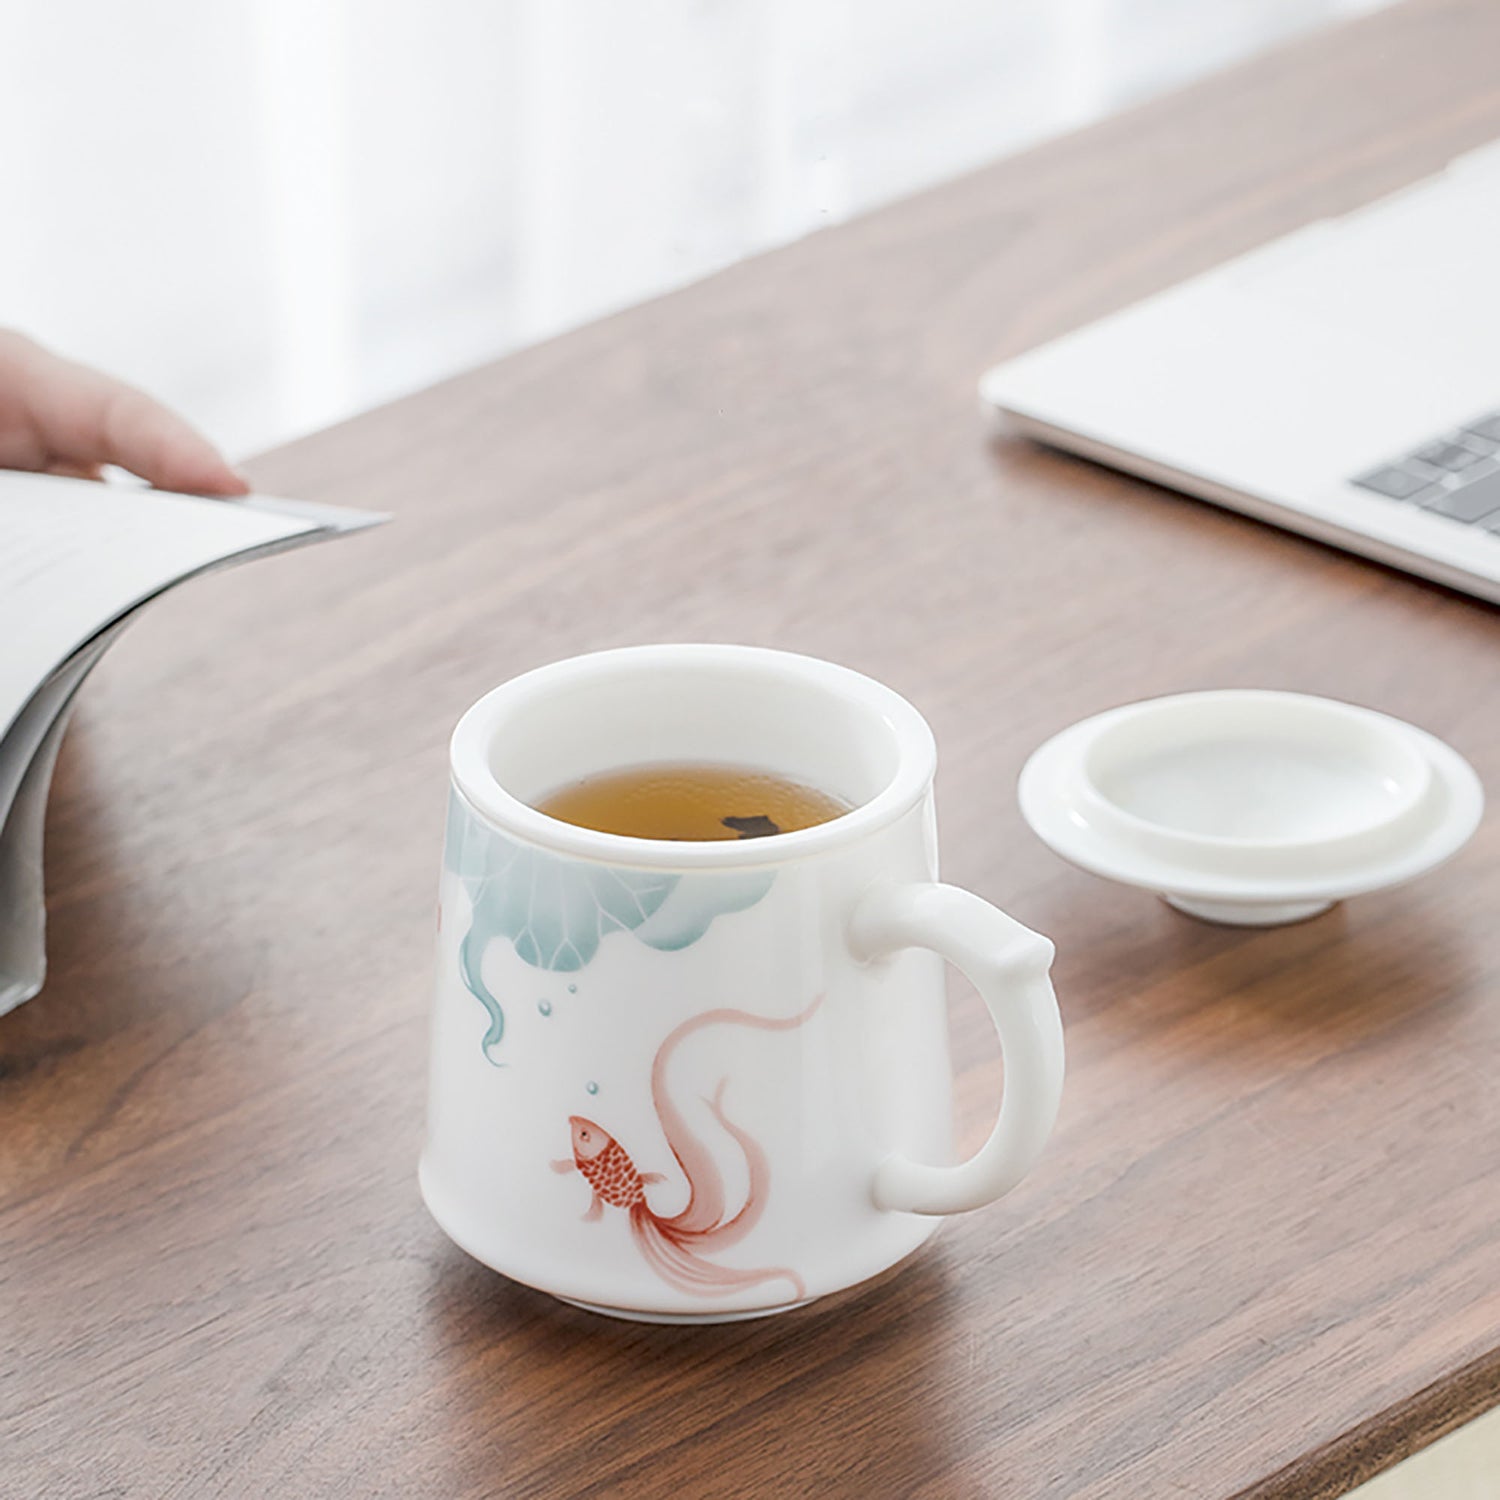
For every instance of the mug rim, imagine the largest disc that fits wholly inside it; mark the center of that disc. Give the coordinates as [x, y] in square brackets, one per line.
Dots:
[480, 789]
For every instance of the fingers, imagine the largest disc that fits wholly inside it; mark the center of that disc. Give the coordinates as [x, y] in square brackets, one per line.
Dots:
[76, 471]
[130, 429]
[77, 419]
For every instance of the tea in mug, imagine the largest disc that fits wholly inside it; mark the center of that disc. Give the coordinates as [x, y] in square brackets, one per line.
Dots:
[693, 802]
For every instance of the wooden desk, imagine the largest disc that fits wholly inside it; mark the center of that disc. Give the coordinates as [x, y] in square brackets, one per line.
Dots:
[1260, 1256]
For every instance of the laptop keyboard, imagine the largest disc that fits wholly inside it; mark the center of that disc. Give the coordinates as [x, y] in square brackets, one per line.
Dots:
[1456, 475]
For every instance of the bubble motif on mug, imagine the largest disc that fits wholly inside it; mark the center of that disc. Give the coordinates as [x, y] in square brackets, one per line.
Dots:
[545, 1006]
[592, 1087]
[572, 989]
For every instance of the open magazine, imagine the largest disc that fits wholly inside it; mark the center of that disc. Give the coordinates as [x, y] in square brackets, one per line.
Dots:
[77, 560]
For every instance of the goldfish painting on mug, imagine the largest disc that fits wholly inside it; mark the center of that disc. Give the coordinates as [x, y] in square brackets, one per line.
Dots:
[674, 1245]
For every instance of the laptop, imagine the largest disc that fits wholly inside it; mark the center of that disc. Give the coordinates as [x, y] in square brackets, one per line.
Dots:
[1343, 381]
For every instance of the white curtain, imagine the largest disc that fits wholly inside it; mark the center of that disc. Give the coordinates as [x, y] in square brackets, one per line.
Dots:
[276, 212]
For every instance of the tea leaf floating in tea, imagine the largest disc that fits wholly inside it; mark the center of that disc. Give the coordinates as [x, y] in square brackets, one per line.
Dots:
[686, 801]
[758, 827]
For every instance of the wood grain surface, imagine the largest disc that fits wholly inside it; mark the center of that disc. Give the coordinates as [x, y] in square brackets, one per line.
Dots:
[1260, 1255]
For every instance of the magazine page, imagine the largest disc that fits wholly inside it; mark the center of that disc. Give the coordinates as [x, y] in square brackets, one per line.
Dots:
[76, 559]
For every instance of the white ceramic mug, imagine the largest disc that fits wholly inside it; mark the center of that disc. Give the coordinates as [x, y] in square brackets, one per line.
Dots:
[687, 1082]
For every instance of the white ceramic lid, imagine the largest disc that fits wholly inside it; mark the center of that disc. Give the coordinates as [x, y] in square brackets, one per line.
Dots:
[1248, 806]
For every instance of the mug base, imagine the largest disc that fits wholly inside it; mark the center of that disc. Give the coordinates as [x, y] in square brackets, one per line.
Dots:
[690, 1320]
[453, 1226]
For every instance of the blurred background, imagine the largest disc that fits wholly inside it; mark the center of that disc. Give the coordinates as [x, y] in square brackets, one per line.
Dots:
[275, 213]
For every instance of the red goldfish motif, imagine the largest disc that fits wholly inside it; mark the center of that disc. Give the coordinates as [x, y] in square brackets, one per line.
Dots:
[673, 1245]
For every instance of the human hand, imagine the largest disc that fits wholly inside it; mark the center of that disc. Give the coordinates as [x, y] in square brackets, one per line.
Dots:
[57, 417]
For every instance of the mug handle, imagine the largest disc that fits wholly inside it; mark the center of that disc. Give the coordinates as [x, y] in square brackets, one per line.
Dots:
[1008, 964]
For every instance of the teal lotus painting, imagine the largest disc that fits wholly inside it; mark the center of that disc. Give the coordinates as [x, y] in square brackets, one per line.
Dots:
[556, 912]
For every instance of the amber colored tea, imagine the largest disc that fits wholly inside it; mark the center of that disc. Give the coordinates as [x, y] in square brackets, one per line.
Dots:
[691, 802]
